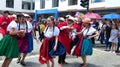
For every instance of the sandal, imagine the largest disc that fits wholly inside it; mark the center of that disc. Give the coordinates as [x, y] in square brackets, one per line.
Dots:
[22, 63]
[18, 61]
[84, 65]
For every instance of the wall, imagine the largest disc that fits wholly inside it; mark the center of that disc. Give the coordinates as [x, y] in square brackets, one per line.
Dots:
[63, 6]
[17, 6]
[112, 3]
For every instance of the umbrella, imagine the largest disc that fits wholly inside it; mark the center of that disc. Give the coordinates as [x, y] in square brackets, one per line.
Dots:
[112, 16]
[92, 15]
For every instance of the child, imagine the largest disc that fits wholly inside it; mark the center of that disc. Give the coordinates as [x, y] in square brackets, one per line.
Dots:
[114, 37]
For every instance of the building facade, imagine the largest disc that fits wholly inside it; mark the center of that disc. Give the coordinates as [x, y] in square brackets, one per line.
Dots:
[71, 6]
[26, 6]
[63, 6]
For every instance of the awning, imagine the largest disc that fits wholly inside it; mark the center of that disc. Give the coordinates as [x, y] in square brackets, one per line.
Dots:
[46, 11]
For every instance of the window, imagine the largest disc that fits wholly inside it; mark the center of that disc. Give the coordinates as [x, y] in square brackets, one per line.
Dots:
[72, 2]
[96, 1]
[28, 5]
[42, 4]
[25, 5]
[62, 0]
[33, 5]
[55, 3]
[10, 3]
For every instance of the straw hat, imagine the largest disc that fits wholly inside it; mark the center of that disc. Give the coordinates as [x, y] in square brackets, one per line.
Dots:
[87, 20]
[15, 16]
[71, 18]
[75, 19]
[67, 16]
[26, 15]
[61, 19]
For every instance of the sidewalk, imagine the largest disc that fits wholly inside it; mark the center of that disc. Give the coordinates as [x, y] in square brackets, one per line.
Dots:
[98, 59]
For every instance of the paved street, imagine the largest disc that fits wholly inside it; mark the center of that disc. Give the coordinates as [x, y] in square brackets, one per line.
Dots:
[100, 58]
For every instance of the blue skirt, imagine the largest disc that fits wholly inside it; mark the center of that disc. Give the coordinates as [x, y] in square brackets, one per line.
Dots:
[30, 43]
[86, 47]
[59, 51]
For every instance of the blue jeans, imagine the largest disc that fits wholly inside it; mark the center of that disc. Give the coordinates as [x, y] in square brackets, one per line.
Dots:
[118, 44]
[108, 44]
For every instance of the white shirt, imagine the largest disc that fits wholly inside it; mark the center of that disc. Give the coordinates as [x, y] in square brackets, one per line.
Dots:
[12, 24]
[89, 31]
[29, 26]
[49, 32]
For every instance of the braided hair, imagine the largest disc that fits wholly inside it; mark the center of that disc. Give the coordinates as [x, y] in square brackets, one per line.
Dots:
[52, 19]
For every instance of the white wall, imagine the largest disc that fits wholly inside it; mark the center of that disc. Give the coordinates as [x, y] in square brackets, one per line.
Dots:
[112, 3]
[97, 5]
[63, 6]
[48, 4]
[17, 6]
[37, 4]
[2, 4]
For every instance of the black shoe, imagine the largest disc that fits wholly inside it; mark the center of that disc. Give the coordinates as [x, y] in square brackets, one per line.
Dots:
[18, 61]
[23, 63]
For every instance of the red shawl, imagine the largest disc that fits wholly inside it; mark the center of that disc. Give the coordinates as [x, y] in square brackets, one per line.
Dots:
[64, 36]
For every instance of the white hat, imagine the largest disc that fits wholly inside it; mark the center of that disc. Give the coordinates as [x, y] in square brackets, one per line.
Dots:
[71, 18]
[67, 16]
[61, 19]
[75, 19]
[15, 16]
[26, 15]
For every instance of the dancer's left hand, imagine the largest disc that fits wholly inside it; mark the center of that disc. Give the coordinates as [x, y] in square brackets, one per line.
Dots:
[55, 48]
[89, 37]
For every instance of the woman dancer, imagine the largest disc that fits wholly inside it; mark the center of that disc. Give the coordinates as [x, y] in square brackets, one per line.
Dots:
[23, 42]
[87, 32]
[79, 38]
[63, 38]
[9, 43]
[30, 35]
[50, 46]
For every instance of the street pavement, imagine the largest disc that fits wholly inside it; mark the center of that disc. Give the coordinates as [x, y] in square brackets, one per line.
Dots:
[100, 58]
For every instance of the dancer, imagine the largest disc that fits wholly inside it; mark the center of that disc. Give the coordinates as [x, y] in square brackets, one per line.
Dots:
[5, 20]
[79, 38]
[50, 47]
[30, 34]
[87, 32]
[9, 43]
[23, 42]
[63, 38]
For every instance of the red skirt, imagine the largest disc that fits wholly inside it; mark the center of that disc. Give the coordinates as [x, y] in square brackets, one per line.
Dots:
[77, 50]
[47, 50]
[44, 57]
[23, 43]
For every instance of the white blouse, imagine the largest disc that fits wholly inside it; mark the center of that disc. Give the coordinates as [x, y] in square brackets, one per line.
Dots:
[12, 24]
[29, 26]
[48, 32]
[89, 31]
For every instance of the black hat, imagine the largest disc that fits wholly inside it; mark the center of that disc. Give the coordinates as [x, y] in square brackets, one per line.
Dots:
[6, 12]
[19, 15]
